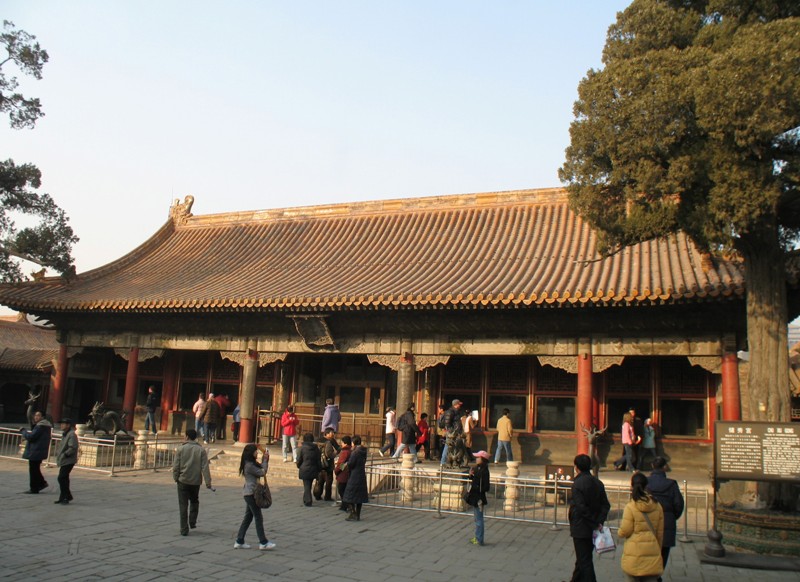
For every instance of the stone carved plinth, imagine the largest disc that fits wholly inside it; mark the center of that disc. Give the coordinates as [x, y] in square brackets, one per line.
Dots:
[449, 493]
[511, 501]
[100, 452]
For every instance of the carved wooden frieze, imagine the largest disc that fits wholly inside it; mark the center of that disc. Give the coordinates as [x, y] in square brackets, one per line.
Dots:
[711, 363]
[144, 354]
[314, 330]
[566, 363]
[391, 361]
[264, 358]
[602, 363]
[423, 362]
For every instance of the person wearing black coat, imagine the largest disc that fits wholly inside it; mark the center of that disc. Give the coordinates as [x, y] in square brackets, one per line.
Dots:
[309, 462]
[588, 510]
[37, 448]
[356, 493]
[668, 494]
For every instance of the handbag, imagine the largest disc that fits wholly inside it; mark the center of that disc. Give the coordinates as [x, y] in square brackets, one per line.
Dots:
[603, 541]
[262, 495]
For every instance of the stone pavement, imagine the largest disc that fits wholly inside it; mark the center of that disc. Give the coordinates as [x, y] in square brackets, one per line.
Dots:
[126, 528]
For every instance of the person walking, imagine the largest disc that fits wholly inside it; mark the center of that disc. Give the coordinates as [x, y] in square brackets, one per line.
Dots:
[407, 425]
[468, 423]
[638, 434]
[356, 492]
[331, 417]
[66, 457]
[289, 424]
[390, 438]
[151, 404]
[642, 526]
[588, 510]
[628, 441]
[648, 446]
[505, 431]
[476, 496]
[237, 421]
[341, 470]
[199, 409]
[189, 469]
[37, 448]
[667, 492]
[309, 465]
[439, 431]
[252, 471]
[211, 418]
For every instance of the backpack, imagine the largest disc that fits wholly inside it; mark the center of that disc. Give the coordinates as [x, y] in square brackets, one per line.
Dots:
[324, 460]
[441, 423]
[401, 423]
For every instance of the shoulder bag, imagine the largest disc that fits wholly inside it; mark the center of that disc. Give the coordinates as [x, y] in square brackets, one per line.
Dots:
[262, 494]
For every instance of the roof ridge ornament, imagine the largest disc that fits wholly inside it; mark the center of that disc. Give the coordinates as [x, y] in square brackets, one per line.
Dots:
[179, 212]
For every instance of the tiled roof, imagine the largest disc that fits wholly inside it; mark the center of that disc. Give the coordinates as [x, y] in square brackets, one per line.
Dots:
[520, 248]
[26, 347]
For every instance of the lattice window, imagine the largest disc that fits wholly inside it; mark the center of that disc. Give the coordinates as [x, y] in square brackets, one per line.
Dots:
[225, 369]
[119, 365]
[153, 368]
[195, 364]
[462, 374]
[632, 377]
[508, 374]
[678, 376]
[550, 379]
[266, 374]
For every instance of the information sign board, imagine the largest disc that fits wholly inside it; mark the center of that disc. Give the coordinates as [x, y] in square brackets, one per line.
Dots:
[757, 451]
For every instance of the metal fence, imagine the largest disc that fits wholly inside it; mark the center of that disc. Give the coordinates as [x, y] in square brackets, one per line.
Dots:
[543, 501]
[108, 454]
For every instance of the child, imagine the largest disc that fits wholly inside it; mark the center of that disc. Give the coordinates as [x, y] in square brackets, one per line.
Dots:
[423, 440]
[476, 497]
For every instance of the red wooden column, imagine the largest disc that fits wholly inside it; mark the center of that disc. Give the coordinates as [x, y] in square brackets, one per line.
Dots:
[247, 405]
[731, 405]
[131, 382]
[584, 406]
[59, 384]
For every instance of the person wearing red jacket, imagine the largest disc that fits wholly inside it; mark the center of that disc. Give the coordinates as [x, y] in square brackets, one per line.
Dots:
[424, 438]
[289, 424]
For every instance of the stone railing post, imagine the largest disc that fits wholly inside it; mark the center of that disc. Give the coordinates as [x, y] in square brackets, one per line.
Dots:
[140, 450]
[407, 477]
[511, 501]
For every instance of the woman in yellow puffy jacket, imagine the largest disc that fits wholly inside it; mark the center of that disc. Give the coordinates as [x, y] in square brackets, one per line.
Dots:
[643, 527]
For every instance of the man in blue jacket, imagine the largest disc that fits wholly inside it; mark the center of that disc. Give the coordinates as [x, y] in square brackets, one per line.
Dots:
[37, 448]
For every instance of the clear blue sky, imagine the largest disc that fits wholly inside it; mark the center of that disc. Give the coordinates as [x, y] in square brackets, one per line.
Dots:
[255, 105]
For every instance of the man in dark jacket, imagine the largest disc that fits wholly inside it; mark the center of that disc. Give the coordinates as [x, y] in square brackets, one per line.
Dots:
[330, 449]
[407, 425]
[37, 448]
[588, 510]
[151, 404]
[309, 465]
[668, 494]
[211, 419]
[451, 424]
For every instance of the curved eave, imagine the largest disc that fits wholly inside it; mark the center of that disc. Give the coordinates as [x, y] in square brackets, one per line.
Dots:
[611, 298]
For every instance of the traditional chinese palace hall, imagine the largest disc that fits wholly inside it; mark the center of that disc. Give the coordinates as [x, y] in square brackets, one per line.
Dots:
[498, 298]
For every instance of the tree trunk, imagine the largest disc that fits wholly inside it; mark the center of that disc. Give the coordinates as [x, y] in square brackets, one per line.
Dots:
[767, 313]
[768, 396]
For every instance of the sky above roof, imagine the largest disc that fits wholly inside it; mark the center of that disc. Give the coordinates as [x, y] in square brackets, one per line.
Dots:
[258, 105]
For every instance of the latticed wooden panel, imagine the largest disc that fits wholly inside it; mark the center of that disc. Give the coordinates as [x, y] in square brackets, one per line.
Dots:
[195, 365]
[266, 374]
[550, 379]
[632, 376]
[508, 374]
[462, 374]
[678, 376]
[225, 369]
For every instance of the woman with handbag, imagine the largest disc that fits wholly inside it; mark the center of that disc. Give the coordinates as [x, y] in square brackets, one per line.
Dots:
[252, 472]
[643, 526]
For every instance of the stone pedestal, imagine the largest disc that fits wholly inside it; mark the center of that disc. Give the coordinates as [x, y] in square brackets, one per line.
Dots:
[511, 502]
[99, 452]
[448, 492]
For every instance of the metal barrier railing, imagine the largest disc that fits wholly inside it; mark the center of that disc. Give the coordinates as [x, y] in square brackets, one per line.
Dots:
[543, 501]
[109, 454]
